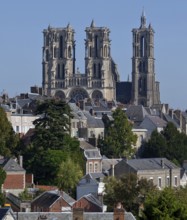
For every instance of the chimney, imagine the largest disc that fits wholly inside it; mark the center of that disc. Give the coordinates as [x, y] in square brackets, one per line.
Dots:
[21, 160]
[119, 212]
[112, 169]
[162, 163]
[78, 214]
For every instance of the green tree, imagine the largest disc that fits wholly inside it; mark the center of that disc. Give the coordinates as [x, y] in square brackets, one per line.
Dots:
[68, 176]
[127, 190]
[163, 205]
[119, 137]
[52, 128]
[51, 143]
[2, 179]
[156, 146]
[8, 139]
[170, 143]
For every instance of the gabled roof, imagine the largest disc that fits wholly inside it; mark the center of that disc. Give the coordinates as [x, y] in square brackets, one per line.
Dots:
[6, 211]
[10, 165]
[91, 198]
[92, 154]
[68, 198]
[106, 163]
[85, 145]
[150, 164]
[47, 199]
[91, 178]
[93, 122]
[168, 118]
[157, 121]
[136, 113]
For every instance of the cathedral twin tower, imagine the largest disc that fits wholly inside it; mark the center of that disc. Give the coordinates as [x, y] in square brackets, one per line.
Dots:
[101, 77]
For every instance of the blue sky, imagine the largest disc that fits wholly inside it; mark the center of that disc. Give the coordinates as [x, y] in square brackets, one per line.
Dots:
[21, 39]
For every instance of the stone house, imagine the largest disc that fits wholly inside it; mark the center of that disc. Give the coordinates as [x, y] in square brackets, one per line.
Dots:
[91, 183]
[15, 175]
[52, 201]
[93, 160]
[152, 123]
[161, 171]
[78, 214]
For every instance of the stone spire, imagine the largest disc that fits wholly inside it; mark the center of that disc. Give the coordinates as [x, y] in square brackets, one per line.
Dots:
[143, 20]
[92, 24]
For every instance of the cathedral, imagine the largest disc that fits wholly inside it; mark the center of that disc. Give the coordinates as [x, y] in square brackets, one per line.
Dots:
[101, 78]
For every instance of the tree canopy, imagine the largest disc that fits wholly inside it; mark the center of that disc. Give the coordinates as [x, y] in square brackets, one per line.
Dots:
[127, 190]
[2, 179]
[51, 143]
[119, 137]
[69, 174]
[8, 138]
[170, 143]
[163, 205]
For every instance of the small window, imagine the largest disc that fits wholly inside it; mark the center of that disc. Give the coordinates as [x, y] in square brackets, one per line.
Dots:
[90, 168]
[95, 167]
[176, 181]
[168, 181]
[17, 129]
[151, 179]
[159, 182]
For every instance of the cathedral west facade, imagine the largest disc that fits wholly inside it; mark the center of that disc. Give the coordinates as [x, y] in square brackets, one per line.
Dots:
[60, 77]
[101, 78]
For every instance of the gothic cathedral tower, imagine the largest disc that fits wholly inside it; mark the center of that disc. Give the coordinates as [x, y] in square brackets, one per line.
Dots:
[145, 91]
[100, 69]
[58, 58]
[59, 76]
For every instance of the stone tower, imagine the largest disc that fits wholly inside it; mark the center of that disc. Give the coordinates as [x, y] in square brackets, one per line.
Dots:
[100, 69]
[145, 91]
[59, 76]
[58, 59]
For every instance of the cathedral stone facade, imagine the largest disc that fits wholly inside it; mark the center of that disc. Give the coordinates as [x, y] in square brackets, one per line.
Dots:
[101, 78]
[60, 79]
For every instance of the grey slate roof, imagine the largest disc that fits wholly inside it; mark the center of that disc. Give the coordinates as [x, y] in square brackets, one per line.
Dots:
[91, 198]
[47, 198]
[157, 121]
[94, 176]
[10, 165]
[4, 211]
[136, 113]
[68, 215]
[151, 164]
[93, 122]
[106, 163]
[85, 145]
[92, 153]
[168, 118]
[68, 198]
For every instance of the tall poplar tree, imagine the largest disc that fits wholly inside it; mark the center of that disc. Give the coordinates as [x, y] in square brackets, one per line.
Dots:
[119, 138]
[8, 138]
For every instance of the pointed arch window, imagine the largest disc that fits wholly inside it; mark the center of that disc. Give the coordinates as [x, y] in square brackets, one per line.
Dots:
[63, 71]
[94, 70]
[90, 51]
[55, 52]
[58, 71]
[61, 46]
[96, 46]
[99, 71]
[142, 46]
[69, 52]
[105, 51]
[47, 55]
